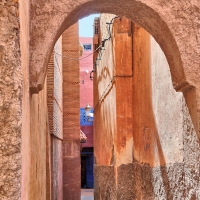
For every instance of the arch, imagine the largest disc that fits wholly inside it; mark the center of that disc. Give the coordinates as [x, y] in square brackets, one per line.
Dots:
[173, 24]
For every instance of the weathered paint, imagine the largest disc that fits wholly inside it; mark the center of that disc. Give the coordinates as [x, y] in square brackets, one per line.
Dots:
[165, 144]
[104, 103]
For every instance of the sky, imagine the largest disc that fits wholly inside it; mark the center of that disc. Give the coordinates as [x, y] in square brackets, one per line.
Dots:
[86, 26]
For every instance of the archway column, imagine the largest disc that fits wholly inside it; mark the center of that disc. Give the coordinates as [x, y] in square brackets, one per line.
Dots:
[71, 114]
[10, 101]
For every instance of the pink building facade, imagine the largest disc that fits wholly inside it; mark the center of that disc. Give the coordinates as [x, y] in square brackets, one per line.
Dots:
[86, 97]
[86, 66]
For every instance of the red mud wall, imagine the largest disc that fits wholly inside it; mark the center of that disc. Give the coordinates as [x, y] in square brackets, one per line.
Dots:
[105, 107]
[144, 128]
[113, 141]
[145, 141]
[39, 130]
[86, 66]
[71, 122]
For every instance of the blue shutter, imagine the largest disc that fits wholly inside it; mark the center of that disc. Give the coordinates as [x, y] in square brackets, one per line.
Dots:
[89, 171]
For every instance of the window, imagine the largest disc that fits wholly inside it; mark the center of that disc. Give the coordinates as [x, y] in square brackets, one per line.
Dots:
[87, 47]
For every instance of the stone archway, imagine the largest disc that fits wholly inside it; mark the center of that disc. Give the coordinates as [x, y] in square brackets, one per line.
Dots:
[173, 24]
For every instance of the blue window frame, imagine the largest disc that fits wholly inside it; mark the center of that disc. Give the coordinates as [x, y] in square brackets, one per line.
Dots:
[87, 47]
[84, 120]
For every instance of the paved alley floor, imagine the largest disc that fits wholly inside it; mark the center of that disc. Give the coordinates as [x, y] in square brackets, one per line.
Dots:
[87, 194]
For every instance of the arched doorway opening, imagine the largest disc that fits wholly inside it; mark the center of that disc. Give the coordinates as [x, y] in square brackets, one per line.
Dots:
[139, 12]
[163, 24]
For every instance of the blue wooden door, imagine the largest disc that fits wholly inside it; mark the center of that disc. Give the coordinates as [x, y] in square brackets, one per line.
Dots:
[89, 171]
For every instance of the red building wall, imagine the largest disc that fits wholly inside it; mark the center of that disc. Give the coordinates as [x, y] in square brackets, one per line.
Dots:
[86, 66]
[86, 85]
[71, 125]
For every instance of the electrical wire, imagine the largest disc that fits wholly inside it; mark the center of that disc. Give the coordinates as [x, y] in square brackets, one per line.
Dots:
[105, 92]
[109, 32]
[103, 45]
[105, 40]
[79, 58]
[109, 86]
[100, 46]
[58, 64]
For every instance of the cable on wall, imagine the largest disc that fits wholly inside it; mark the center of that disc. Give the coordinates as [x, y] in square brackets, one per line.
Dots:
[101, 47]
[78, 58]
[109, 86]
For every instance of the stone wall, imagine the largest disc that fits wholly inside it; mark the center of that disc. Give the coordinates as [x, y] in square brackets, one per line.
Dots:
[162, 161]
[10, 101]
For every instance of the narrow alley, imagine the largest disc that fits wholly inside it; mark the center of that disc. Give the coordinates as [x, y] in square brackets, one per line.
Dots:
[114, 115]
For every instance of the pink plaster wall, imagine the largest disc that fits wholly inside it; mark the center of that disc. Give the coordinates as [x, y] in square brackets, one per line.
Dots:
[88, 130]
[86, 66]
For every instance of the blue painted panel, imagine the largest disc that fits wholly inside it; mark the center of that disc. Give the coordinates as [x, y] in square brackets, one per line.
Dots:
[89, 171]
[84, 120]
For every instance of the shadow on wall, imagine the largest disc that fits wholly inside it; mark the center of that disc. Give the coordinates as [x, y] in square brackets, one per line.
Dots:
[164, 134]
[147, 146]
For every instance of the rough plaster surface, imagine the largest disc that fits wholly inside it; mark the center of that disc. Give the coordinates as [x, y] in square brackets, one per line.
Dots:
[38, 145]
[123, 60]
[140, 181]
[58, 90]
[25, 150]
[10, 101]
[104, 187]
[176, 174]
[104, 102]
[167, 106]
[176, 132]
[57, 169]
[113, 102]
[191, 147]
[178, 34]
